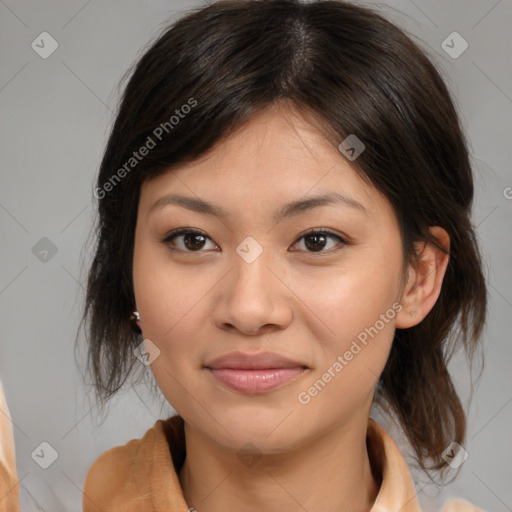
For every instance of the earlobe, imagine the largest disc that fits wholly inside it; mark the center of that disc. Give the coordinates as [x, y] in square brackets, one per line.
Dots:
[136, 316]
[424, 280]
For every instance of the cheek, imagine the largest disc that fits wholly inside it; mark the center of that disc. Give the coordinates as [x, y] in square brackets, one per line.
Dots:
[171, 302]
[355, 295]
[358, 305]
[166, 296]
[351, 359]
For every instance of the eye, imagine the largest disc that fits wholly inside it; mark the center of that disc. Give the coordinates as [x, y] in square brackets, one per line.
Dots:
[192, 240]
[316, 240]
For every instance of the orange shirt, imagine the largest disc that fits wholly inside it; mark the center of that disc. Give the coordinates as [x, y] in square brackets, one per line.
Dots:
[9, 485]
[141, 475]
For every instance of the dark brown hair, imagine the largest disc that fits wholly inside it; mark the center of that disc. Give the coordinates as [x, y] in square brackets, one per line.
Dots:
[352, 72]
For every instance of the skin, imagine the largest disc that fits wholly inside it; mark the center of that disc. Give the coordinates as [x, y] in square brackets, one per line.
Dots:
[304, 304]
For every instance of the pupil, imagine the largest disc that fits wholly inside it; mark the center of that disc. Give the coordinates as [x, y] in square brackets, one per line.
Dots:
[193, 245]
[316, 237]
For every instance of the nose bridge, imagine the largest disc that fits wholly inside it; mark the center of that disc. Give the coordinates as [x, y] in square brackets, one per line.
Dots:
[251, 297]
[252, 275]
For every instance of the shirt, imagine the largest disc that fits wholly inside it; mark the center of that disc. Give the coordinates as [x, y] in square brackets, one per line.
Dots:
[9, 485]
[142, 475]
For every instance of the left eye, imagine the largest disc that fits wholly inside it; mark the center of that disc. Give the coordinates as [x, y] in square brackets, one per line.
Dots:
[316, 240]
[194, 241]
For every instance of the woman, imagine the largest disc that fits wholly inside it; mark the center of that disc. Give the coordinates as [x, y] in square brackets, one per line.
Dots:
[284, 237]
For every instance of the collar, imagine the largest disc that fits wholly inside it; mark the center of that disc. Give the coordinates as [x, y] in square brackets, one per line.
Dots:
[142, 475]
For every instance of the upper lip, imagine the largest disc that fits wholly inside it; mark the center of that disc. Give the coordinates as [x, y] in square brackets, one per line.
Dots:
[255, 361]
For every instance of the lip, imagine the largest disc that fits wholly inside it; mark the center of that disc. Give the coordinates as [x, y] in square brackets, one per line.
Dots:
[255, 373]
[254, 361]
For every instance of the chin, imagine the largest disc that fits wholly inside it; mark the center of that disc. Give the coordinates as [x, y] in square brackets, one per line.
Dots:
[271, 430]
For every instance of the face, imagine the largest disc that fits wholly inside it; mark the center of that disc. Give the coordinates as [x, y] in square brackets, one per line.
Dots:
[316, 284]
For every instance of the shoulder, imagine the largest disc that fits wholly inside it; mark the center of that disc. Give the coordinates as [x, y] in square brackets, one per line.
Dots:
[110, 475]
[460, 505]
[9, 485]
[107, 474]
[397, 491]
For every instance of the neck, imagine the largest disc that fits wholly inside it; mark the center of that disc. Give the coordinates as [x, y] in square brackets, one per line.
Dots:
[332, 472]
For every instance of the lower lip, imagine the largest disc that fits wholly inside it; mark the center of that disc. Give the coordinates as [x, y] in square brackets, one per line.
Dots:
[256, 381]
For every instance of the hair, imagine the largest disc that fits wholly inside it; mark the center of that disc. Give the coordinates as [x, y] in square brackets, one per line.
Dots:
[352, 72]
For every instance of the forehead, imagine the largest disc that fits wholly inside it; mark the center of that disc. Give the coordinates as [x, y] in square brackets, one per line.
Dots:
[278, 156]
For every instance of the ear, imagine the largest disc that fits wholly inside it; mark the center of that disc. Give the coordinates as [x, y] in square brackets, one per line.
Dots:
[424, 280]
[135, 316]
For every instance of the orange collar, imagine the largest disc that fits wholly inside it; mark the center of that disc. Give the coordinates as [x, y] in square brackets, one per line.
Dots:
[141, 476]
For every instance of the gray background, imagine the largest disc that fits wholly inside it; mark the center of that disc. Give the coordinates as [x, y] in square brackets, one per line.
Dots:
[55, 117]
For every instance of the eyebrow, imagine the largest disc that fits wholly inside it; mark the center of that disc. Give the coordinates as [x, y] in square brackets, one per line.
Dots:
[288, 210]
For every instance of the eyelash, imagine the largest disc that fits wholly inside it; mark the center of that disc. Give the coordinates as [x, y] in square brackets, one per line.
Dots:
[183, 231]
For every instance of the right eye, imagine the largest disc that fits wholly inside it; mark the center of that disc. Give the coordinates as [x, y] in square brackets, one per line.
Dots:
[189, 240]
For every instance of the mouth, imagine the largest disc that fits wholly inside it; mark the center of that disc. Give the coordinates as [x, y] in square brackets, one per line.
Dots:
[255, 373]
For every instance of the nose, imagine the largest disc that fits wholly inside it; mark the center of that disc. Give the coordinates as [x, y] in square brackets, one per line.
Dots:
[253, 298]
